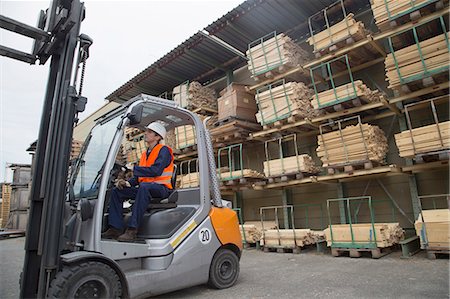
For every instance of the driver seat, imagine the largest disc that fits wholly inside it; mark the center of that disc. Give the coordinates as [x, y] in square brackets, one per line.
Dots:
[171, 201]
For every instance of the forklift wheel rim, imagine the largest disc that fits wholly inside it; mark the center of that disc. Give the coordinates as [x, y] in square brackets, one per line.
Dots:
[91, 288]
[226, 269]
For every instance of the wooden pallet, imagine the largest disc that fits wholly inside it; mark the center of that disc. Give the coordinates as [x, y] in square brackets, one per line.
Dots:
[289, 176]
[11, 233]
[376, 253]
[435, 252]
[352, 167]
[289, 120]
[282, 249]
[433, 156]
[420, 84]
[353, 103]
[203, 110]
[232, 130]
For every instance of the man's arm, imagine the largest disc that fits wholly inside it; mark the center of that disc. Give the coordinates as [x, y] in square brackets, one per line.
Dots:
[162, 161]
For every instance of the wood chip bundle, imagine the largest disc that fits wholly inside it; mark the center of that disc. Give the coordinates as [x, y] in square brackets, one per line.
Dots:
[289, 238]
[435, 57]
[283, 101]
[347, 28]
[387, 234]
[290, 165]
[346, 92]
[348, 145]
[278, 51]
[76, 149]
[245, 173]
[423, 140]
[437, 228]
[253, 230]
[383, 9]
[194, 95]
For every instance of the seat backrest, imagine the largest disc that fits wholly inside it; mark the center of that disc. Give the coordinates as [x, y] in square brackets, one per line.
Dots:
[173, 180]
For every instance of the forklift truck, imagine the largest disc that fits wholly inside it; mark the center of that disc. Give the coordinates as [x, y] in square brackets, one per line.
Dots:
[186, 239]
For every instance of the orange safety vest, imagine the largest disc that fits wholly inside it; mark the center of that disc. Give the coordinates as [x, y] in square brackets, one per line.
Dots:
[166, 176]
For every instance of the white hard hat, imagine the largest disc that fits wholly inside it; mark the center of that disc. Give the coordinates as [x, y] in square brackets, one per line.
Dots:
[157, 128]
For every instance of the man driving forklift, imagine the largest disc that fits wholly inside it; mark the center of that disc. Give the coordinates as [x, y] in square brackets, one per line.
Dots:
[152, 179]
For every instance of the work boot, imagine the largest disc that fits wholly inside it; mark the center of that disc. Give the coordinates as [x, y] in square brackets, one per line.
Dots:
[111, 233]
[128, 236]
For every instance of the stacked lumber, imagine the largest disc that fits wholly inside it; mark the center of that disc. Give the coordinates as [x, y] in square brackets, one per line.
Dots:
[345, 29]
[290, 165]
[245, 173]
[383, 9]
[285, 100]
[236, 102]
[278, 51]
[253, 230]
[437, 228]
[423, 140]
[348, 145]
[434, 53]
[6, 202]
[189, 180]
[133, 149]
[195, 95]
[289, 238]
[185, 136]
[76, 149]
[348, 91]
[387, 234]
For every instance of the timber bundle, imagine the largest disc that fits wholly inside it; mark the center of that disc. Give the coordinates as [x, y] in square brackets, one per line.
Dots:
[437, 224]
[189, 180]
[347, 28]
[423, 139]
[386, 234]
[225, 174]
[195, 95]
[294, 164]
[285, 100]
[291, 237]
[354, 143]
[185, 136]
[253, 230]
[76, 149]
[408, 62]
[277, 52]
[346, 92]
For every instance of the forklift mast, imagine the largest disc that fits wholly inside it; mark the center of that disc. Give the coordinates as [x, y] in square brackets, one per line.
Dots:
[56, 36]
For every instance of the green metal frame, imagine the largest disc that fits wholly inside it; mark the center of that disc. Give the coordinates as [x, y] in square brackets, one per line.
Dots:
[276, 208]
[353, 244]
[327, 23]
[423, 231]
[188, 167]
[231, 164]
[177, 133]
[413, 8]
[280, 147]
[426, 72]
[327, 66]
[165, 95]
[306, 207]
[266, 67]
[269, 88]
[374, 202]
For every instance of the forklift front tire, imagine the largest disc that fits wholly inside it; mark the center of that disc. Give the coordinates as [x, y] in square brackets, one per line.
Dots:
[86, 280]
[224, 270]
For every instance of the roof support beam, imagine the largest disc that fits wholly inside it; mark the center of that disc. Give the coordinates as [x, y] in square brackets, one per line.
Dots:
[223, 44]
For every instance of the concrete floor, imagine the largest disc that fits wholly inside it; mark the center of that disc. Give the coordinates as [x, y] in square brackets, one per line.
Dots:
[305, 275]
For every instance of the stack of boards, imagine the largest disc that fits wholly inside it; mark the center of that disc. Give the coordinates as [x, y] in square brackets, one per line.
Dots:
[437, 232]
[253, 230]
[387, 234]
[194, 95]
[279, 52]
[355, 143]
[291, 237]
[423, 139]
[406, 63]
[295, 164]
[345, 29]
[76, 149]
[244, 173]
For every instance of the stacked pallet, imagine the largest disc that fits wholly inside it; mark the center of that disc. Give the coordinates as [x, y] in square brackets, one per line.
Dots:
[408, 62]
[76, 149]
[436, 229]
[195, 95]
[386, 10]
[253, 230]
[290, 237]
[345, 29]
[279, 52]
[236, 102]
[387, 234]
[346, 92]
[423, 140]
[296, 164]
[283, 101]
[6, 201]
[244, 173]
[348, 145]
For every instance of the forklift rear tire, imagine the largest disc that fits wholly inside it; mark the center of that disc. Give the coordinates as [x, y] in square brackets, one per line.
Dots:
[224, 270]
[86, 280]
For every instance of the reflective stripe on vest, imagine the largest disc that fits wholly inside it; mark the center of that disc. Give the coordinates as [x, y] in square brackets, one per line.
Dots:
[166, 176]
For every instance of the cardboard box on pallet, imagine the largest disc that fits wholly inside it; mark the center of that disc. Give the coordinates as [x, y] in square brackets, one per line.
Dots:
[236, 102]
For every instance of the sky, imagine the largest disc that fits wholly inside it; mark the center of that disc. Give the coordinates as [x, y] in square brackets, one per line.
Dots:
[128, 37]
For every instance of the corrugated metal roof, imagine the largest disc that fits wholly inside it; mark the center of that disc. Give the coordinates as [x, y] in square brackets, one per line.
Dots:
[201, 59]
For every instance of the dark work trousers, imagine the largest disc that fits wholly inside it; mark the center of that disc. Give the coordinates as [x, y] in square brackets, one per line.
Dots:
[141, 195]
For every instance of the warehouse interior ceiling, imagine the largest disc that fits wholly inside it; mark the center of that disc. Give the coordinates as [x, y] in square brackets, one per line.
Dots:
[205, 59]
